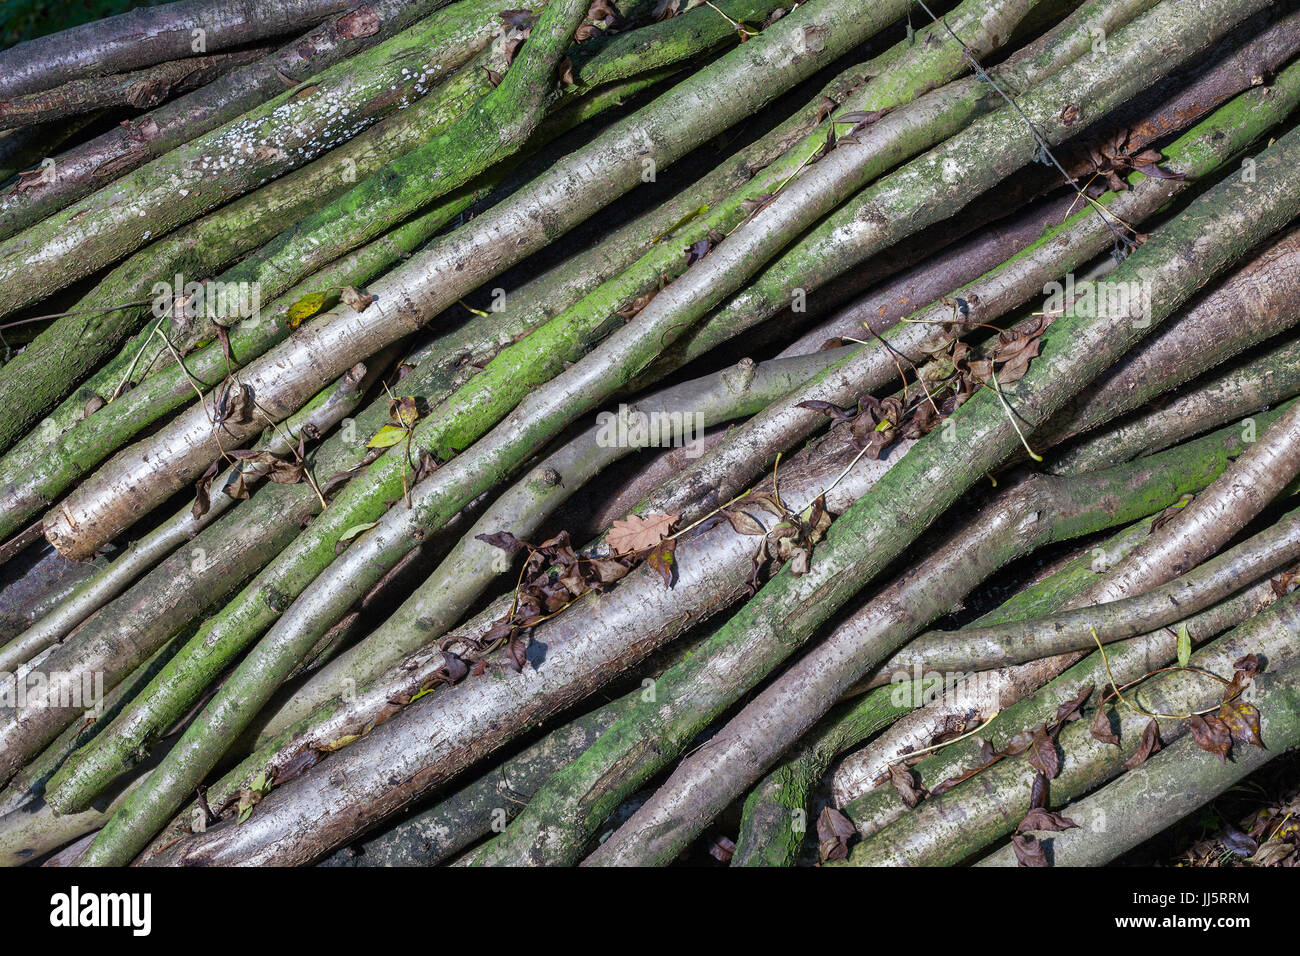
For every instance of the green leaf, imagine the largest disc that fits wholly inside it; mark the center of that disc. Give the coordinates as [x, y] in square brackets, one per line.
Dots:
[681, 222]
[1184, 645]
[357, 529]
[387, 437]
[306, 307]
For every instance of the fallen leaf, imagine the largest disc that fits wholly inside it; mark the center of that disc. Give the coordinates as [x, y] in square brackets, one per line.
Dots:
[1071, 709]
[306, 307]
[504, 540]
[662, 559]
[1014, 352]
[861, 118]
[404, 411]
[1038, 791]
[1211, 735]
[699, 249]
[681, 222]
[1272, 853]
[233, 404]
[387, 436]
[1156, 171]
[1242, 720]
[356, 299]
[1028, 851]
[722, 849]
[905, 784]
[453, 668]
[744, 523]
[830, 410]
[517, 650]
[1101, 728]
[1150, 744]
[357, 529]
[638, 532]
[1043, 755]
[834, 830]
[1184, 645]
[202, 501]
[1045, 821]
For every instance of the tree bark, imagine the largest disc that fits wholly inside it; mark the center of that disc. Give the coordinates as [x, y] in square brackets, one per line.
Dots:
[282, 134]
[90, 165]
[861, 543]
[960, 822]
[140, 89]
[1169, 786]
[143, 37]
[703, 784]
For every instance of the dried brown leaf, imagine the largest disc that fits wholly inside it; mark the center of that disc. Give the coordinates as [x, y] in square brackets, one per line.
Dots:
[1043, 755]
[1211, 734]
[1242, 720]
[356, 299]
[830, 410]
[504, 540]
[1028, 851]
[905, 784]
[834, 831]
[1043, 820]
[202, 490]
[662, 558]
[638, 532]
[1150, 744]
[1102, 729]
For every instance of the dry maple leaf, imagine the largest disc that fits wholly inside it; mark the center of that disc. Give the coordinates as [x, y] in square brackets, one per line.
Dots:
[638, 532]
